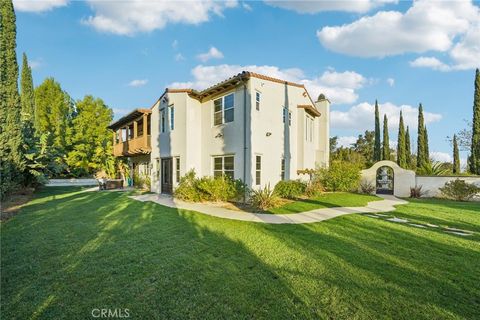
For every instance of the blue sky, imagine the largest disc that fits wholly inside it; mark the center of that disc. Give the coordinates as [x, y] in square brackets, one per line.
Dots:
[401, 53]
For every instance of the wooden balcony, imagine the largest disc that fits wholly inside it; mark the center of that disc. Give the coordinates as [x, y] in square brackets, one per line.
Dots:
[134, 147]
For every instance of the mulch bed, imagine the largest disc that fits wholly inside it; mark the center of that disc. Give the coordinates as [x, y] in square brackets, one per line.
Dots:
[14, 202]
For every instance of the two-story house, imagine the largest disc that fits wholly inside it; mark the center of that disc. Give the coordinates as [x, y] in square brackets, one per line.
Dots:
[250, 127]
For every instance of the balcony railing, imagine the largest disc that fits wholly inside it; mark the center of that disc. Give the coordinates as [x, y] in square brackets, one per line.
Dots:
[133, 147]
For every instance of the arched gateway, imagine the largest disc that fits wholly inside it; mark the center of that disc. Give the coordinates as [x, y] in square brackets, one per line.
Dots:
[389, 178]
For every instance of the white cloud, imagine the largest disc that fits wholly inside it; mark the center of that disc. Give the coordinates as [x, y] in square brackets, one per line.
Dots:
[212, 53]
[130, 17]
[339, 87]
[391, 82]
[312, 7]
[429, 62]
[179, 57]
[246, 6]
[346, 141]
[38, 5]
[35, 63]
[441, 156]
[138, 83]
[444, 26]
[361, 116]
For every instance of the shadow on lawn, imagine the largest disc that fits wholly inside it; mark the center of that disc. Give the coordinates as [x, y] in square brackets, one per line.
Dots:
[391, 270]
[66, 254]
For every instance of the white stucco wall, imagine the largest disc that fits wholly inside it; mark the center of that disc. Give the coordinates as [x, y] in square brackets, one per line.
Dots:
[431, 184]
[403, 179]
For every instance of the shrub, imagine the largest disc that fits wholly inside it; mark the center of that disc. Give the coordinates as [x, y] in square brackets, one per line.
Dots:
[264, 199]
[314, 187]
[187, 188]
[417, 192]
[340, 176]
[290, 189]
[459, 190]
[367, 187]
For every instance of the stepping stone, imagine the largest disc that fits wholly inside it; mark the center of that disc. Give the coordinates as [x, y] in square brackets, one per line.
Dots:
[382, 215]
[432, 225]
[417, 225]
[395, 219]
[458, 230]
[459, 233]
[371, 216]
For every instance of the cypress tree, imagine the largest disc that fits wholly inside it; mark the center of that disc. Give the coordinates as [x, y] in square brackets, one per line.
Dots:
[27, 92]
[421, 157]
[401, 154]
[11, 134]
[386, 140]
[427, 151]
[408, 150]
[377, 150]
[474, 158]
[456, 157]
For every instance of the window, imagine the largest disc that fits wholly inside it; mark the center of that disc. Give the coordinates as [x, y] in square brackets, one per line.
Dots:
[149, 125]
[257, 100]
[223, 109]
[172, 117]
[177, 169]
[287, 114]
[130, 132]
[223, 166]
[258, 169]
[140, 127]
[282, 175]
[309, 128]
[162, 120]
[289, 118]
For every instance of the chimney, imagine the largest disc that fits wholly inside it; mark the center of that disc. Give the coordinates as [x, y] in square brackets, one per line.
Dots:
[323, 152]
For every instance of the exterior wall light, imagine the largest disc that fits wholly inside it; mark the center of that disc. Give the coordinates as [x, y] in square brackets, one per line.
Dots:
[268, 134]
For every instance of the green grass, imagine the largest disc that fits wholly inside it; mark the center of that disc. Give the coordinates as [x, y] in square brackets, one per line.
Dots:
[68, 252]
[325, 200]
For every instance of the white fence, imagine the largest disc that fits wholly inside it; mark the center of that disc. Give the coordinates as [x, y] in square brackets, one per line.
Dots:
[71, 182]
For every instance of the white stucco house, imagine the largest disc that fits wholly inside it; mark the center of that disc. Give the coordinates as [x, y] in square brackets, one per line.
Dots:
[250, 127]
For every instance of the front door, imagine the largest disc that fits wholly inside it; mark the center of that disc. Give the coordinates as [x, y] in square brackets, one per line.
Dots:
[167, 175]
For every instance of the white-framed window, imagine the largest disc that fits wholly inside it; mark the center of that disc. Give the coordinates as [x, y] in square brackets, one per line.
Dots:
[257, 100]
[223, 109]
[224, 166]
[282, 169]
[177, 169]
[172, 117]
[258, 170]
[163, 120]
[287, 116]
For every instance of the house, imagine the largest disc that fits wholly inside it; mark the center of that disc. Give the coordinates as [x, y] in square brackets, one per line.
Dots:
[251, 127]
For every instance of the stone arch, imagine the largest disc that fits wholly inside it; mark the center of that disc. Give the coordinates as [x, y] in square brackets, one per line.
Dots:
[403, 179]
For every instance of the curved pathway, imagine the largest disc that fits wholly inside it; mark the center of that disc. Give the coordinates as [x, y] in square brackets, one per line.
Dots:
[385, 205]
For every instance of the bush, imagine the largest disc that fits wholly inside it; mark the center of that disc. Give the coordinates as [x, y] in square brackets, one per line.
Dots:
[264, 199]
[367, 187]
[314, 188]
[340, 176]
[459, 190]
[290, 189]
[417, 192]
[195, 189]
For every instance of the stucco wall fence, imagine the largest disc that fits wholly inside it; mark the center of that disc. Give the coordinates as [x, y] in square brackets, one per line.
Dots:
[71, 182]
[432, 184]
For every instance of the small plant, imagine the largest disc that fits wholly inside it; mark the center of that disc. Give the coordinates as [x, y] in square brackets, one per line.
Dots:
[290, 189]
[264, 198]
[417, 192]
[434, 169]
[314, 188]
[367, 187]
[459, 190]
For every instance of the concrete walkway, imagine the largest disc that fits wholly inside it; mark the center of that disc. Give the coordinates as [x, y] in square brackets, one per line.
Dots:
[295, 218]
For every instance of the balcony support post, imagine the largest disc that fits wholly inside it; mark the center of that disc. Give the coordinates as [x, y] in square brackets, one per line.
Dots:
[145, 137]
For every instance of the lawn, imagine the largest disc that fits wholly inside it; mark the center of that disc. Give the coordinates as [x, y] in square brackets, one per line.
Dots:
[325, 200]
[69, 251]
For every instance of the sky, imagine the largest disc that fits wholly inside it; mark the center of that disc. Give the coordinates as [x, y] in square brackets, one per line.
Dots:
[400, 53]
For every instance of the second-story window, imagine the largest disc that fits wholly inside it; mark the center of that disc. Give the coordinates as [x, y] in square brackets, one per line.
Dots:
[172, 117]
[287, 116]
[162, 120]
[257, 101]
[282, 169]
[223, 109]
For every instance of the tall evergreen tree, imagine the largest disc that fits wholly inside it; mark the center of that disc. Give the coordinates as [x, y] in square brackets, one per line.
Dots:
[10, 129]
[427, 148]
[377, 150]
[54, 113]
[421, 156]
[408, 150]
[456, 157]
[474, 158]
[401, 147]
[386, 140]
[27, 96]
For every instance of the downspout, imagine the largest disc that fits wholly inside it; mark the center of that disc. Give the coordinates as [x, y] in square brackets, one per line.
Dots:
[244, 138]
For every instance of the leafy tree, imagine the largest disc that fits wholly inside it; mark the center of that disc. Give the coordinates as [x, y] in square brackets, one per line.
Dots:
[422, 156]
[333, 144]
[365, 145]
[386, 140]
[11, 139]
[408, 150]
[348, 155]
[92, 139]
[401, 144]
[54, 113]
[377, 152]
[474, 158]
[456, 157]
